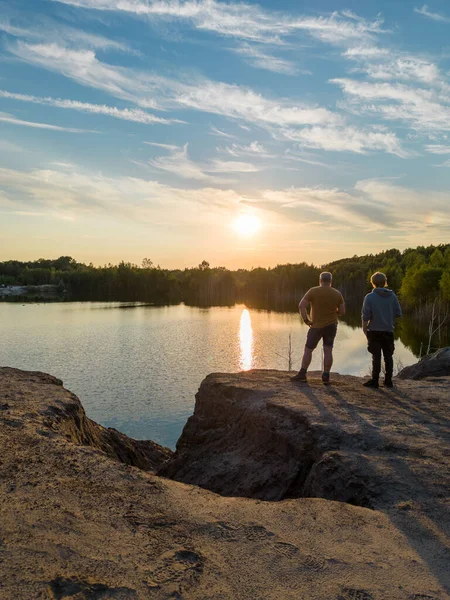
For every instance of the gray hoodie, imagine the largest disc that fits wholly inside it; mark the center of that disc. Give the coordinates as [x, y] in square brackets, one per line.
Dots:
[381, 307]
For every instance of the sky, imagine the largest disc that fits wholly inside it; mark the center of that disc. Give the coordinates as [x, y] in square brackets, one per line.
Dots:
[244, 134]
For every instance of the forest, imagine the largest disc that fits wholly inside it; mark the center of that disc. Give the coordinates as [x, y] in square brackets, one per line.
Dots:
[420, 276]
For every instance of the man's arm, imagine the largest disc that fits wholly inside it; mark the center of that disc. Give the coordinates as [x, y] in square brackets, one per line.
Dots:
[366, 315]
[302, 305]
[341, 307]
[365, 326]
[397, 308]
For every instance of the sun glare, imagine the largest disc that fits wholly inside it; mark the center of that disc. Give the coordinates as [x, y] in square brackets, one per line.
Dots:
[247, 225]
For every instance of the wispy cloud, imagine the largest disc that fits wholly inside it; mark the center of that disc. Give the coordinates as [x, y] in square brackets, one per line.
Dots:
[48, 31]
[366, 52]
[260, 59]
[164, 146]
[304, 157]
[71, 194]
[370, 205]
[234, 101]
[243, 21]
[6, 146]
[240, 102]
[179, 163]
[253, 149]
[80, 65]
[422, 109]
[330, 205]
[425, 11]
[7, 118]
[232, 166]
[437, 149]
[220, 133]
[348, 139]
[406, 68]
[127, 114]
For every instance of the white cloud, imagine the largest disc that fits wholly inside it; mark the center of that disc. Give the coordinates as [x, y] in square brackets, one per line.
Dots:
[348, 139]
[433, 16]
[46, 30]
[80, 65]
[366, 52]
[407, 68]
[220, 133]
[232, 166]
[244, 21]
[64, 165]
[336, 206]
[262, 60]
[370, 206]
[127, 114]
[7, 118]
[234, 101]
[165, 146]
[446, 163]
[7, 147]
[255, 149]
[243, 103]
[421, 209]
[437, 149]
[422, 109]
[71, 194]
[305, 157]
[179, 163]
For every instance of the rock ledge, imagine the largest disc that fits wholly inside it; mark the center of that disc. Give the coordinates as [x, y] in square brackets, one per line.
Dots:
[78, 522]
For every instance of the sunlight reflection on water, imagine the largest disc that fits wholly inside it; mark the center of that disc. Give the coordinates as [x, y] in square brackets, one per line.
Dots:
[246, 341]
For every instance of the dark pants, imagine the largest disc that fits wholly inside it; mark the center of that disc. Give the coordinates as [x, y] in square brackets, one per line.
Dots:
[327, 334]
[381, 342]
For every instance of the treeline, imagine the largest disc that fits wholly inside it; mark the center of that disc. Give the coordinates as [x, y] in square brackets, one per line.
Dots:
[418, 275]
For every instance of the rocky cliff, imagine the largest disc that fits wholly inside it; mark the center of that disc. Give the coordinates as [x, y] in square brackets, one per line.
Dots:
[257, 434]
[83, 515]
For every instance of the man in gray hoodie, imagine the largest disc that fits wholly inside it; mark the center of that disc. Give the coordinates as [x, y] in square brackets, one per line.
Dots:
[380, 309]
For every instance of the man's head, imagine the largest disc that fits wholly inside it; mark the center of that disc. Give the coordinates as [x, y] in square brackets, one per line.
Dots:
[325, 278]
[378, 280]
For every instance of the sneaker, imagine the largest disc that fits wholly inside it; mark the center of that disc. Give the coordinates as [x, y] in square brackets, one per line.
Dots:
[326, 378]
[372, 383]
[301, 376]
[388, 383]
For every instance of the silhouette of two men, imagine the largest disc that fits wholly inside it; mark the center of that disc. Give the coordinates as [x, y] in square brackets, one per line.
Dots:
[379, 312]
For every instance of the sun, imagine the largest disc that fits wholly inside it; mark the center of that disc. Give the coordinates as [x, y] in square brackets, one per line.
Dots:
[247, 225]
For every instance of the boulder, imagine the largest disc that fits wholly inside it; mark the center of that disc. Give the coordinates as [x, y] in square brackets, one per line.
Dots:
[432, 365]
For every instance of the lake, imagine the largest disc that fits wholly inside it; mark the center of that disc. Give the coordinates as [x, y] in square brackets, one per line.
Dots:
[137, 368]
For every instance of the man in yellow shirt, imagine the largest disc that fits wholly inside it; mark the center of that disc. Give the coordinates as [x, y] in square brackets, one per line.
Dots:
[327, 304]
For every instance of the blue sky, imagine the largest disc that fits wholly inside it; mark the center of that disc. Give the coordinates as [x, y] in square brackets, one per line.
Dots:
[132, 128]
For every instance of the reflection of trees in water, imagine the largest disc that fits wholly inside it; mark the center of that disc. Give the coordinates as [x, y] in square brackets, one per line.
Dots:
[414, 336]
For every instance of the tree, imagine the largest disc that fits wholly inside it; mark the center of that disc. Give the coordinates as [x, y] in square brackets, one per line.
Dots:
[204, 265]
[437, 259]
[147, 263]
[445, 285]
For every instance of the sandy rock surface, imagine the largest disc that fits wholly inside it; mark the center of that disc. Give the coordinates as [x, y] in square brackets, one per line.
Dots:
[77, 522]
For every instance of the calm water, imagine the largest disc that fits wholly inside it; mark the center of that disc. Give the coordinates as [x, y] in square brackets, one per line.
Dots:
[137, 368]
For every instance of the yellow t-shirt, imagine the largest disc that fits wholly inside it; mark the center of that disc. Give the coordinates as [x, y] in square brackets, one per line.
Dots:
[324, 301]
